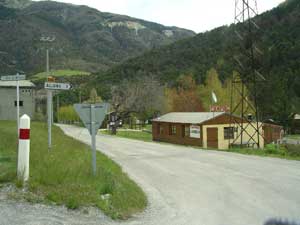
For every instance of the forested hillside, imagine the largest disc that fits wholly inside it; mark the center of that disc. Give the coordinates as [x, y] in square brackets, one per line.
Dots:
[278, 39]
[85, 38]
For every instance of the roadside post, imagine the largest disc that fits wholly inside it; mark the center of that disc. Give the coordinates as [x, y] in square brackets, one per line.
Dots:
[51, 86]
[92, 115]
[24, 148]
[16, 78]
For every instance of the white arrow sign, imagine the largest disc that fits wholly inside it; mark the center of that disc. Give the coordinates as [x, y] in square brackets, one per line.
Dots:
[57, 86]
[13, 77]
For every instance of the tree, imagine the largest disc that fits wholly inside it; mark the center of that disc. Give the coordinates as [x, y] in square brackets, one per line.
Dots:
[94, 98]
[143, 97]
[184, 97]
[212, 84]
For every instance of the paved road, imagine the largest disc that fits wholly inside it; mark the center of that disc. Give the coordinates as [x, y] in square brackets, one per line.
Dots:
[187, 186]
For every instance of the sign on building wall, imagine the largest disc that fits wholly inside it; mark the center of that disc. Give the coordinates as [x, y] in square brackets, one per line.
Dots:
[219, 108]
[195, 131]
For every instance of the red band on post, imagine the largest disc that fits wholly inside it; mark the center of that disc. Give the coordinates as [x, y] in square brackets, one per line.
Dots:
[24, 134]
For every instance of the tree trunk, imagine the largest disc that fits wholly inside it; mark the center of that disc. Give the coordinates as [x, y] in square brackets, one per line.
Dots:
[114, 130]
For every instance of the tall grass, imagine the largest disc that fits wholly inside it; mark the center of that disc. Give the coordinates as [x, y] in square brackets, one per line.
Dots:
[63, 175]
[136, 135]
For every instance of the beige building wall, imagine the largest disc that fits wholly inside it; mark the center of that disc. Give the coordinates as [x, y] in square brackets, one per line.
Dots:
[224, 144]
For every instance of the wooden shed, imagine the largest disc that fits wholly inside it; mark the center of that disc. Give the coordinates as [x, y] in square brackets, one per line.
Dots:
[204, 129]
[295, 125]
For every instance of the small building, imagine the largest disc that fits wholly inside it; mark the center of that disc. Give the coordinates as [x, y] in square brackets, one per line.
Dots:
[8, 99]
[204, 129]
[295, 124]
[272, 131]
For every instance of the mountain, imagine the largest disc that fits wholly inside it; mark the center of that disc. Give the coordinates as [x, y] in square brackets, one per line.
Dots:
[17, 4]
[85, 38]
[278, 39]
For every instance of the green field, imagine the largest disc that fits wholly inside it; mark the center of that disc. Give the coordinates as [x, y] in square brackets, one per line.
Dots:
[63, 175]
[137, 135]
[295, 136]
[61, 73]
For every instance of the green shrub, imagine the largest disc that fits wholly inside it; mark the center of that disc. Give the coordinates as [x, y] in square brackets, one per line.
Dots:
[67, 114]
[293, 150]
[275, 149]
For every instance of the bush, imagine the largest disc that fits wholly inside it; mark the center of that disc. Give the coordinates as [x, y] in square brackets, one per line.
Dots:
[293, 150]
[67, 114]
[275, 150]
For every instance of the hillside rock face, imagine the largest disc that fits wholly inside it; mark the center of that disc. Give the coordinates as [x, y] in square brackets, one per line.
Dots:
[17, 4]
[85, 38]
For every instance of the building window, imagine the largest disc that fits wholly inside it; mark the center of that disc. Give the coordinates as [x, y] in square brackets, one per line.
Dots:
[20, 103]
[228, 133]
[160, 129]
[187, 131]
[172, 129]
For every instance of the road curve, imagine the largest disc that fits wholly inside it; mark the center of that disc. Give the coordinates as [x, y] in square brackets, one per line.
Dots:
[187, 186]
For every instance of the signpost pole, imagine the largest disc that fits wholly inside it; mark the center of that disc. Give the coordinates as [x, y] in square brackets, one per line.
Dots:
[92, 116]
[49, 102]
[93, 134]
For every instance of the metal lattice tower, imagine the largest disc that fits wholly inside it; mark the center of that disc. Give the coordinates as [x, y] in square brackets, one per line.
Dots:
[244, 104]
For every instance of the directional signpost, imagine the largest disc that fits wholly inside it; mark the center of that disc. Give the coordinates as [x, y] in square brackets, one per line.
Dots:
[16, 78]
[51, 86]
[13, 77]
[57, 86]
[92, 115]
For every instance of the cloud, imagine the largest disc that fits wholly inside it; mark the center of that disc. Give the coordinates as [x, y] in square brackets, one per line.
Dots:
[197, 15]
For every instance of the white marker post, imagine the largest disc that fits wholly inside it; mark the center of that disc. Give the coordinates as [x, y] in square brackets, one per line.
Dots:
[24, 148]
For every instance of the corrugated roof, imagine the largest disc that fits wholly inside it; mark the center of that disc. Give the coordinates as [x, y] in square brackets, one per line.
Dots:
[188, 117]
[22, 83]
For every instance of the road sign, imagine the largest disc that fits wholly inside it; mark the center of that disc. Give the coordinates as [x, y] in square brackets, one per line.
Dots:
[92, 115]
[220, 108]
[13, 77]
[57, 86]
[84, 112]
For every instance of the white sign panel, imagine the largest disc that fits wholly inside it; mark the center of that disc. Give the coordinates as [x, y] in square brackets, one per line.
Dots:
[84, 112]
[57, 86]
[195, 131]
[13, 78]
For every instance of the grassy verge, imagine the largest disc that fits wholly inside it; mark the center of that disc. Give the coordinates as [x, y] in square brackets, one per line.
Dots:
[271, 150]
[295, 137]
[137, 135]
[63, 175]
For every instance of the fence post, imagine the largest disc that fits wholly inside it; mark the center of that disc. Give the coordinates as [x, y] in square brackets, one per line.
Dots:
[24, 148]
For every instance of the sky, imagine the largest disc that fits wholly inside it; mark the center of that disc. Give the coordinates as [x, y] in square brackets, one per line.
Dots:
[196, 15]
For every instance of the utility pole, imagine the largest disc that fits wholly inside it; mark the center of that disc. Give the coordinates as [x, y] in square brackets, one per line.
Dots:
[49, 105]
[49, 92]
[18, 103]
[248, 68]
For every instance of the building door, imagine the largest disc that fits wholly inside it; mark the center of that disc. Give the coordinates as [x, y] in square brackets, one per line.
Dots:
[212, 137]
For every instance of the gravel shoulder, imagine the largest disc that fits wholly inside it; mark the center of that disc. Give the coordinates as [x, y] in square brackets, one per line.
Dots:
[185, 186]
